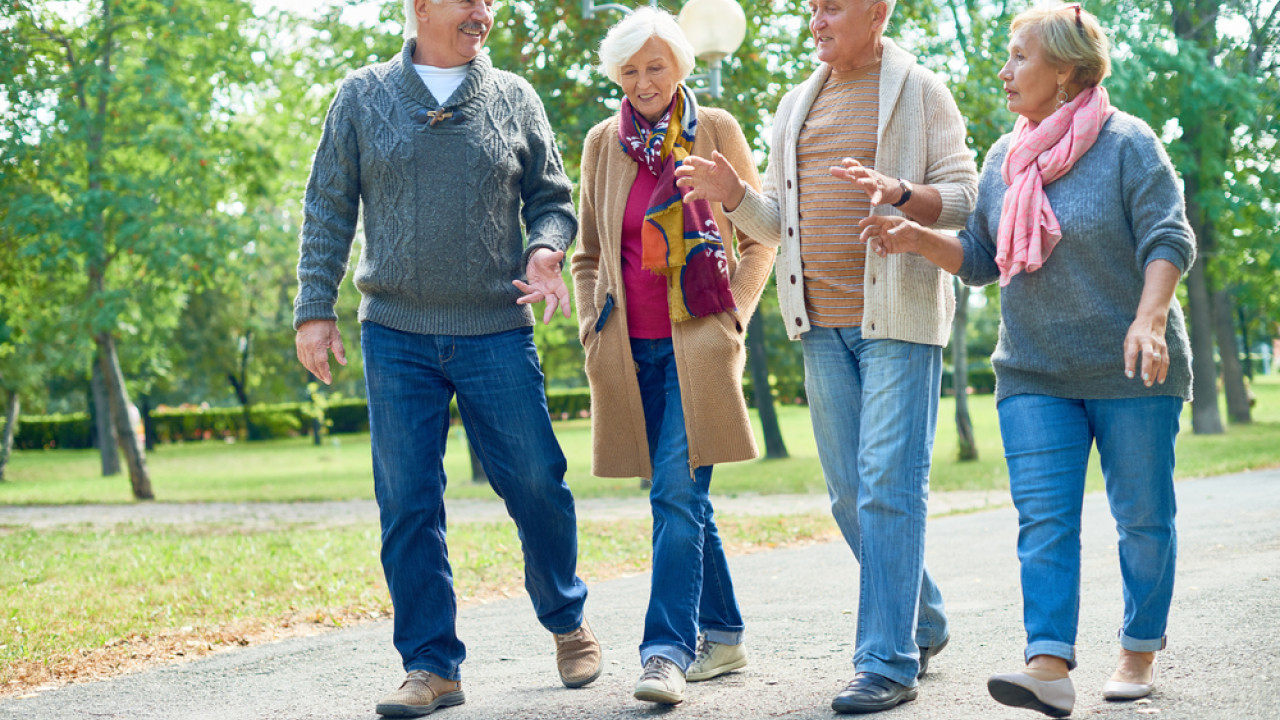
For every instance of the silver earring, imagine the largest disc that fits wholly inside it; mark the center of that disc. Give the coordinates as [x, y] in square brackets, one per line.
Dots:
[1062, 96]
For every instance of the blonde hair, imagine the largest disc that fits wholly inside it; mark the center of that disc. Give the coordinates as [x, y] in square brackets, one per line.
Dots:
[631, 33]
[1070, 35]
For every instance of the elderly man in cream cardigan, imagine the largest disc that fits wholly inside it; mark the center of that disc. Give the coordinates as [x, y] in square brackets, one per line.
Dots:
[870, 132]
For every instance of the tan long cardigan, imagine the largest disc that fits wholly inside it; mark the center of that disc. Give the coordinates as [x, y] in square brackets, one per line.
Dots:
[709, 351]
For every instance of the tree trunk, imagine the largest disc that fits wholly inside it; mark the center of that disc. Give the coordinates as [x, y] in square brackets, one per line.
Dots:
[108, 449]
[118, 396]
[762, 393]
[1229, 352]
[1244, 340]
[148, 423]
[10, 427]
[1205, 417]
[478, 475]
[967, 447]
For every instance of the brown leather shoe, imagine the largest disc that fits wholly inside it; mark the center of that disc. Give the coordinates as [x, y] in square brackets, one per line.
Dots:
[578, 656]
[420, 694]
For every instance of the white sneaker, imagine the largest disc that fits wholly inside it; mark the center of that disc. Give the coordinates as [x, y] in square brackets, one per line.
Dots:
[661, 682]
[715, 659]
[1054, 698]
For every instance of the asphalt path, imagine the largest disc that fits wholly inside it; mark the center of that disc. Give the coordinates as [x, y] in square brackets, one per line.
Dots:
[1222, 663]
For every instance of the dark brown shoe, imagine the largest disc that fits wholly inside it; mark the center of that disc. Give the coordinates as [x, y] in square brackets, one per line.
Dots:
[578, 656]
[421, 693]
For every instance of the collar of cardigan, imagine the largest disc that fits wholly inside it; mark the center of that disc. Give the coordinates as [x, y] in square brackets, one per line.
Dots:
[477, 72]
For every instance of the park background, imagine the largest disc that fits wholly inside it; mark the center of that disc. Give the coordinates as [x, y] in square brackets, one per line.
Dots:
[153, 156]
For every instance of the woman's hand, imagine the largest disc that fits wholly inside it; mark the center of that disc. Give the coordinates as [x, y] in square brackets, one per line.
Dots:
[890, 234]
[1146, 339]
[712, 180]
[880, 188]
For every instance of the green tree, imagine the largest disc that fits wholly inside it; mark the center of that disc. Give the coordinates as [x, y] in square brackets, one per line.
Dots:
[124, 113]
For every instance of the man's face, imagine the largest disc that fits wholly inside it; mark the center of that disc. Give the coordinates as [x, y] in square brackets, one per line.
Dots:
[843, 30]
[452, 32]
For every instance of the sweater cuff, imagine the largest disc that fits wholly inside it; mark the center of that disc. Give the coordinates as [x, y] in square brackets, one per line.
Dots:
[307, 312]
[758, 217]
[1165, 252]
[554, 233]
[955, 208]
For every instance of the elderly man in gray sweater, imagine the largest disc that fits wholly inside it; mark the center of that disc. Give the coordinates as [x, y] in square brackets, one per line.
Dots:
[447, 155]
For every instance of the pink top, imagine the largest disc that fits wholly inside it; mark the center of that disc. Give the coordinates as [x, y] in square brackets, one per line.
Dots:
[648, 315]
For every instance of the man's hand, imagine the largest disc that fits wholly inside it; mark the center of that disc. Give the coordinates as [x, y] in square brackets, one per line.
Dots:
[315, 339]
[880, 188]
[545, 283]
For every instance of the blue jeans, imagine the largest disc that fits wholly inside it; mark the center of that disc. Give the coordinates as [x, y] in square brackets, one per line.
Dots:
[874, 405]
[691, 589]
[1046, 443]
[410, 380]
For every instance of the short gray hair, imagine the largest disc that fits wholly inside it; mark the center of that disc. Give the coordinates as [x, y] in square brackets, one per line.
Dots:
[631, 33]
[411, 18]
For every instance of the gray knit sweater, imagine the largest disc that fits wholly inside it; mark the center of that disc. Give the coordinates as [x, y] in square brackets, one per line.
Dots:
[1063, 326]
[442, 202]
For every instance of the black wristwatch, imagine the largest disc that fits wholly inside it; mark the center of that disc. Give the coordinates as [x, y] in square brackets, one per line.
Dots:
[906, 193]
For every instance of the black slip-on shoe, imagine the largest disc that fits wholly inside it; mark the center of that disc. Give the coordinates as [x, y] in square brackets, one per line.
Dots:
[870, 693]
[927, 653]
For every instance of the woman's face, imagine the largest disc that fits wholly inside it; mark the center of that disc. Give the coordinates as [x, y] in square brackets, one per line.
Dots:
[1030, 80]
[649, 79]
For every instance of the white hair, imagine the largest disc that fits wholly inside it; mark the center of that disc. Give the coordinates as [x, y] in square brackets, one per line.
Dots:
[411, 18]
[631, 33]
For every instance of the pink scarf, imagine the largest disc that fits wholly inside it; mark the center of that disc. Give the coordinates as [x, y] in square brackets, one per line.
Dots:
[1038, 155]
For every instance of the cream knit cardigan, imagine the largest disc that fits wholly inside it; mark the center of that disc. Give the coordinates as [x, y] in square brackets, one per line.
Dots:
[921, 138]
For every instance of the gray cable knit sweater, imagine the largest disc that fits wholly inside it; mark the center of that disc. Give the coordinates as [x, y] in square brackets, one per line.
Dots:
[443, 201]
[1063, 326]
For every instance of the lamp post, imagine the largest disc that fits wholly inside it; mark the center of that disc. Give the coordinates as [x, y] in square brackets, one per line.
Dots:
[715, 29]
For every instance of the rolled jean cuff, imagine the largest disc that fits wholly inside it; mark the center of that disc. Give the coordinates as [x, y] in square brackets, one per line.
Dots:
[724, 637]
[1053, 648]
[1133, 644]
[674, 653]
[453, 675]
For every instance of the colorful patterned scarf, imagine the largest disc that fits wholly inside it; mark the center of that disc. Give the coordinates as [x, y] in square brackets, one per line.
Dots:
[678, 240]
[1037, 156]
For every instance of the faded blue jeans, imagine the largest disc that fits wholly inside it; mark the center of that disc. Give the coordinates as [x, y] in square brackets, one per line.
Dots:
[874, 405]
[410, 379]
[691, 589]
[1047, 441]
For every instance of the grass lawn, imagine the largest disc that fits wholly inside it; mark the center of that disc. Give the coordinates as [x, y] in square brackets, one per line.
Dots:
[85, 604]
[296, 470]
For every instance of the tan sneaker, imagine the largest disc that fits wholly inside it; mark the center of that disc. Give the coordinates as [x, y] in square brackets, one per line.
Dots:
[578, 656]
[661, 682]
[715, 659]
[420, 694]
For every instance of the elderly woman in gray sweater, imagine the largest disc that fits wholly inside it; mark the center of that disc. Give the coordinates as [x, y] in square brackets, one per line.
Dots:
[1081, 219]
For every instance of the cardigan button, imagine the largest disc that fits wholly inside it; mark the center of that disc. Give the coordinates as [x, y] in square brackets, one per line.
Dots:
[791, 232]
[793, 279]
[799, 323]
[788, 184]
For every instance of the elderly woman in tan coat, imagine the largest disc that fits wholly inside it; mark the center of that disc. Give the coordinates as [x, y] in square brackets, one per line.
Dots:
[663, 303]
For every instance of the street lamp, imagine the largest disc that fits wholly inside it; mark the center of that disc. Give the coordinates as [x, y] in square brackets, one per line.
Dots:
[715, 29]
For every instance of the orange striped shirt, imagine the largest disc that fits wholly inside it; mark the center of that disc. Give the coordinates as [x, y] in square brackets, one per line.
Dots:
[842, 123]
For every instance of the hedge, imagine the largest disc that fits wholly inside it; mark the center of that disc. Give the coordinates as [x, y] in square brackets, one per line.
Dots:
[344, 416]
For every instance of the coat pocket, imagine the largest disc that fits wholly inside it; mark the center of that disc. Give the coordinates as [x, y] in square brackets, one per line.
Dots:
[605, 311]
